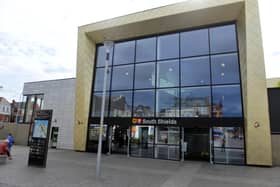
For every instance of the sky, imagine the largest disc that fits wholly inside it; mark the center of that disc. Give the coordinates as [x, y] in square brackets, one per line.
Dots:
[38, 39]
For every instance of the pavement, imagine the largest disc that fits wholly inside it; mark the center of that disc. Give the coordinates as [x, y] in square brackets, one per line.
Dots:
[77, 169]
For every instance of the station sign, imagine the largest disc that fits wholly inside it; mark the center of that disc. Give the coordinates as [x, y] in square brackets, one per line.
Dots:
[153, 121]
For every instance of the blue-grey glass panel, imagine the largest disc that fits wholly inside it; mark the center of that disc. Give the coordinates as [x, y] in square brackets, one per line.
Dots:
[122, 77]
[124, 53]
[99, 79]
[225, 69]
[226, 101]
[223, 39]
[144, 102]
[229, 156]
[168, 73]
[196, 102]
[167, 103]
[195, 71]
[101, 56]
[194, 43]
[168, 46]
[121, 104]
[146, 50]
[228, 137]
[145, 75]
[96, 105]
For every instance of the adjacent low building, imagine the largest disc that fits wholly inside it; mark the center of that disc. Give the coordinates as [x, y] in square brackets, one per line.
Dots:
[57, 95]
[185, 81]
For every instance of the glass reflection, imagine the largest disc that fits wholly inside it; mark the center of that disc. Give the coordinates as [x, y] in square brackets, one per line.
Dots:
[144, 102]
[124, 53]
[142, 141]
[96, 105]
[226, 101]
[101, 57]
[121, 104]
[145, 75]
[122, 77]
[168, 73]
[228, 145]
[167, 103]
[168, 46]
[195, 71]
[99, 79]
[146, 49]
[194, 43]
[225, 69]
[196, 102]
[223, 39]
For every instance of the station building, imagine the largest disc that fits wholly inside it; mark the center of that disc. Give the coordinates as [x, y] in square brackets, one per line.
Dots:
[186, 81]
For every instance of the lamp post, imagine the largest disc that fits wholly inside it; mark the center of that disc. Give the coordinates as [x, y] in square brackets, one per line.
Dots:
[108, 45]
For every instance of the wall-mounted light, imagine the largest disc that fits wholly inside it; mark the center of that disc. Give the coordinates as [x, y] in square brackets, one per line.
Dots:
[256, 124]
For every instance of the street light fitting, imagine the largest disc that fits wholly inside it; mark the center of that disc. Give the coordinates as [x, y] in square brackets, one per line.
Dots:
[108, 45]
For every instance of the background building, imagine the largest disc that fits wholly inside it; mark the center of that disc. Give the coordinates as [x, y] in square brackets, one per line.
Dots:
[57, 95]
[196, 66]
[5, 110]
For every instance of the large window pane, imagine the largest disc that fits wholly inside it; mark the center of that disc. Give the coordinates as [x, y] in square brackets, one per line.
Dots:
[121, 104]
[96, 105]
[101, 56]
[167, 103]
[194, 43]
[228, 145]
[122, 77]
[168, 46]
[228, 137]
[225, 69]
[124, 53]
[168, 73]
[196, 102]
[29, 109]
[195, 71]
[144, 102]
[226, 101]
[223, 39]
[99, 79]
[146, 50]
[145, 75]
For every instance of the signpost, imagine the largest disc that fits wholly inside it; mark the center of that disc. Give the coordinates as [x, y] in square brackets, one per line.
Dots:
[40, 139]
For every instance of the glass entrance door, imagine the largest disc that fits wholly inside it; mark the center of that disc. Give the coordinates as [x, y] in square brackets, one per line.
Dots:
[119, 139]
[196, 142]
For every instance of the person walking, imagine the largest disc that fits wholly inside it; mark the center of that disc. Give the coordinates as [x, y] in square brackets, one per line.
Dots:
[11, 142]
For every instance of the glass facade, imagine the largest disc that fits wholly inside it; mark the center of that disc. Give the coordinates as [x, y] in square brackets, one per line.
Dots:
[182, 75]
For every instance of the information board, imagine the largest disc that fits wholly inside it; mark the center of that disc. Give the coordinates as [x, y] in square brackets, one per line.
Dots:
[40, 138]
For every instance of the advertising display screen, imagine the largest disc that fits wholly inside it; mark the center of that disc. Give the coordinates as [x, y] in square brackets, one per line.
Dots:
[40, 129]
